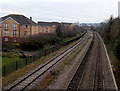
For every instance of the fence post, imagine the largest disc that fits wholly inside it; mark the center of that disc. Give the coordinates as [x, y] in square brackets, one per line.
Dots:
[16, 65]
[26, 60]
[53, 49]
[4, 71]
[48, 51]
[39, 54]
[33, 57]
[44, 52]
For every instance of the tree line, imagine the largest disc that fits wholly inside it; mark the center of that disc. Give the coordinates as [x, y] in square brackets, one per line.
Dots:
[110, 32]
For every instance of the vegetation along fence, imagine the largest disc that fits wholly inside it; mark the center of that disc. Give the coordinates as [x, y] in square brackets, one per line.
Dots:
[7, 69]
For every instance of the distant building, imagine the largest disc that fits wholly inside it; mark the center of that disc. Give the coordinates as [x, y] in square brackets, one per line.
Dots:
[46, 27]
[14, 27]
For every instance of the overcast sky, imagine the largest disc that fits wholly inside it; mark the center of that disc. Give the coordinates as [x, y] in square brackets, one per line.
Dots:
[61, 10]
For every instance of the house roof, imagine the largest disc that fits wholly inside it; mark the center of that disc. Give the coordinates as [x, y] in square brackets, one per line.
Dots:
[45, 23]
[65, 23]
[21, 19]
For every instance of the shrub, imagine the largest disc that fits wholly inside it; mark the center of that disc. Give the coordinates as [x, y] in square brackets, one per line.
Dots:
[38, 41]
[117, 48]
[10, 54]
[22, 56]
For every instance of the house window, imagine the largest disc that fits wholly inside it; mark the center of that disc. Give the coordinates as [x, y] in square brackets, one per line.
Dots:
[6, 33]
[6, 39]
[14, 33]
[25, 33]
[14, 26]
[46, 31]
[38, 30]
[25, 26]
[15, 40]
[35, 32]
[6, 26]
[46, 27]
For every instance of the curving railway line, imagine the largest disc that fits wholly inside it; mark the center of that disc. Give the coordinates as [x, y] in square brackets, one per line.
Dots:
[26, 81]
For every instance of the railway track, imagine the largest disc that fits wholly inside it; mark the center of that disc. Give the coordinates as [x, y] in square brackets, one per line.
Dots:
[26, 81]
[98, 75]
[79, 81]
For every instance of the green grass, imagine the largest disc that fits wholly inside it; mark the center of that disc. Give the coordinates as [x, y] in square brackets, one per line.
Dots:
[70, 38]
[7, 60]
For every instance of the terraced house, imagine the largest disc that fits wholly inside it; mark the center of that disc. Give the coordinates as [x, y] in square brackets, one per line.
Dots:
[14, 27]
[46, 27]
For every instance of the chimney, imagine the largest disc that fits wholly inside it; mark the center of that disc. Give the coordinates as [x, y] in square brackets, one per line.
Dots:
[30, 18]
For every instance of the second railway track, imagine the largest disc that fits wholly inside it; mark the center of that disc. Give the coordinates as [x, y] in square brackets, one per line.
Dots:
[29, 79]
[91, 63]
[98, 75]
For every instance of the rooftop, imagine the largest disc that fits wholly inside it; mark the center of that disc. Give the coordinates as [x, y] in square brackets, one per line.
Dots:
[45, 23]
[21, 19]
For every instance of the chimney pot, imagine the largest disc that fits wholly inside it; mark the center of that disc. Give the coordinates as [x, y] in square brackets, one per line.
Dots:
[30, 18]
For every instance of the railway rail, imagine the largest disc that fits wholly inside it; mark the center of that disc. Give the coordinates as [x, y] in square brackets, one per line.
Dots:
[98, 75]
[77, 79]
[91, 74]
[26, 81]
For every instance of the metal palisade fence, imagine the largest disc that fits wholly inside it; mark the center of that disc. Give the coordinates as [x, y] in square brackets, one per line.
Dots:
[7, 69]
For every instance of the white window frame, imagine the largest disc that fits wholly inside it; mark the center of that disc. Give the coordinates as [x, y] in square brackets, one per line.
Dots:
[25, 26]
[39, 30]
[46, 31]
[15, 33]
[14, 39]
[6, 33]
[6, 39]
[6, 25]
[25, 33]
[14, 26]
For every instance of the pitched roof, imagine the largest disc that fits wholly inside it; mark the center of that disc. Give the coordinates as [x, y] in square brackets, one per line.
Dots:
[45, 23]
[65, 23]
[21, 19]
